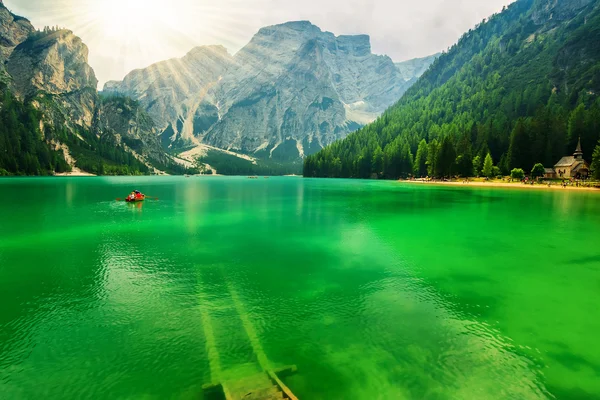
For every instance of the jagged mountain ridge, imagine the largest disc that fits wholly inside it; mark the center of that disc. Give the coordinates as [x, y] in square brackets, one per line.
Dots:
[48, 72]
[171, 91]
[292, 90]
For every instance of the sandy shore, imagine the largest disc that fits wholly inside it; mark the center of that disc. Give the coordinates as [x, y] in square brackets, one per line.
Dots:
[74, 173]
[503, 185]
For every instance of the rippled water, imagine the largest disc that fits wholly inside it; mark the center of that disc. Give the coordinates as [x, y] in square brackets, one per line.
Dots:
[374, 290]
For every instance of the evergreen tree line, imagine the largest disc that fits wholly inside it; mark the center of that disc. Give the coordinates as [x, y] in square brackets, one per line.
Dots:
[25, 150]
[226, 164]
[42, 33]
[22, 148]
[542, 139]
[521, 92]
[98, 154]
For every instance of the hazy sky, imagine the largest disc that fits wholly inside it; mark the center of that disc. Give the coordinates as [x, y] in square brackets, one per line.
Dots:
[127, 34]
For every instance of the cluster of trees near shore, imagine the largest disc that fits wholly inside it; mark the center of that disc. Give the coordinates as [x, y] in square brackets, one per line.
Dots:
[513, 90]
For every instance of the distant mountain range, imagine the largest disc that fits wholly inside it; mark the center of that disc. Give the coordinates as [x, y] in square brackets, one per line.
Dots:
[523, 87]
[291, 91]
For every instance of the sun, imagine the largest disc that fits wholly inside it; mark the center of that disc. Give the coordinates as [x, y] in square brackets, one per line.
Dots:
[132, 18]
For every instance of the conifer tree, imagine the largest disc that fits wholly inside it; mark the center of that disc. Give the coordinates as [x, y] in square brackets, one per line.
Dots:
[446, 158]
[432, 154]
[420, 166]
[596, 162]
[488, 166]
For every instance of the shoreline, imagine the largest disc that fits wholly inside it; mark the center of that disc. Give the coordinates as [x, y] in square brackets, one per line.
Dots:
[73, 174]
[504, 185]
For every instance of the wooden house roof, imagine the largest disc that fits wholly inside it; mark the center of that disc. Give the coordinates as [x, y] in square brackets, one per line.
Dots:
[565, 162]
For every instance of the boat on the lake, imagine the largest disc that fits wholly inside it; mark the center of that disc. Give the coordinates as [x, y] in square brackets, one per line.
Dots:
[135, 197]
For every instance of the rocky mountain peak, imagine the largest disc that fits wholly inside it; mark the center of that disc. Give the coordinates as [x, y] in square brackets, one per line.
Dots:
[172, 90]
[13, 31]
[290, 91]
[210, 50]
[54, 62]
[295, 88]
[202, 56]
[287, 38]
[297, 27]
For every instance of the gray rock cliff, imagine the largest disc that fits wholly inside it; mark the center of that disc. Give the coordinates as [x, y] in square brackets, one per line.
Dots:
[55, 64]
[173, 90]
[290, 91]
[411, 70]
[50, 70]
[13, 31]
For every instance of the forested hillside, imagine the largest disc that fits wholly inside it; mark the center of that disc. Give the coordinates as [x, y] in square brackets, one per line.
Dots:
[30, 146]
[522, 86]
[22, 151]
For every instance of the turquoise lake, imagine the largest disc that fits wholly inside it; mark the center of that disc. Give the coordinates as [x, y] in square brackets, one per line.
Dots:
[373, 290]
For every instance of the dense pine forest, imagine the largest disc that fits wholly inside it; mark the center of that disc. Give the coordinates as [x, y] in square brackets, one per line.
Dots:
[26, 150]
[227, 164]
[22, 150]
[519, 89]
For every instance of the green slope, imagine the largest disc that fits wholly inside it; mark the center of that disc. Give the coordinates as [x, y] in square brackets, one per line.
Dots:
[22, 150]
[522, 86]
[103, 135]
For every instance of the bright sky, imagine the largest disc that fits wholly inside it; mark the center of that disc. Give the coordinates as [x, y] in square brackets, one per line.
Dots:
[126, 34]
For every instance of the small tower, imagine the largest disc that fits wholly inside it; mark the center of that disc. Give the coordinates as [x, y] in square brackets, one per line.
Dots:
[578, 152]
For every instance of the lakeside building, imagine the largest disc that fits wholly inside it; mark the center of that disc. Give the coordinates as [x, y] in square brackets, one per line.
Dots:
[572, 166]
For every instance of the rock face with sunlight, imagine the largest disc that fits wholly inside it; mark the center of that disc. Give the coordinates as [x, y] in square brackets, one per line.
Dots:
[173, 91]
[13, 31]
[49, 69]
[123, 119]
[56, 64]
[291, 91]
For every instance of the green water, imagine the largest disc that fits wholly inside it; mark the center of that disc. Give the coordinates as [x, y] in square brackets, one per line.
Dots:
[374, 290]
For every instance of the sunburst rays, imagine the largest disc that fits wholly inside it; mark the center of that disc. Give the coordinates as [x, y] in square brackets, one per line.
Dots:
[123, 35]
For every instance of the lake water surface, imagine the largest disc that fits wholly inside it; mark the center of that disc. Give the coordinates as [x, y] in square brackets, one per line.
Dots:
[374, 290]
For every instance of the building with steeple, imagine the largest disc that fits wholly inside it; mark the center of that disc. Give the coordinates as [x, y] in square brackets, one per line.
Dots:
[573, 166]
